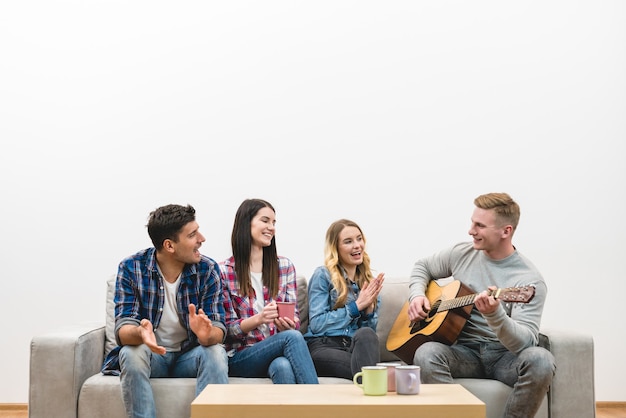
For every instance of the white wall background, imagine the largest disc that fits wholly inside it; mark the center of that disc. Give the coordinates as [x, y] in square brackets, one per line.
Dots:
[394, 114]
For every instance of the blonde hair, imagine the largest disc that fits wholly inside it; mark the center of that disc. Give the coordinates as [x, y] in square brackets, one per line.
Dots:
[506, 209]
[331, 261]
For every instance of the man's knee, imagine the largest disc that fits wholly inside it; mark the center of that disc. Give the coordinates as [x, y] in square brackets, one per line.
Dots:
[215, 355]
[134, 356]
[540, 361]
[425, 353]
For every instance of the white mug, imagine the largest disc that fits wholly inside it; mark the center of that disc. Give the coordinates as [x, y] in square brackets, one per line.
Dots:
[407, 380]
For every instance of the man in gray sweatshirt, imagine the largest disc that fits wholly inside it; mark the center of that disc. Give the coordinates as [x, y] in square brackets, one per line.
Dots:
[499, 340]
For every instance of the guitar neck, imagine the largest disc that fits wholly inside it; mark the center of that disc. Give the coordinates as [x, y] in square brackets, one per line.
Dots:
[509, 294]
[459, 302]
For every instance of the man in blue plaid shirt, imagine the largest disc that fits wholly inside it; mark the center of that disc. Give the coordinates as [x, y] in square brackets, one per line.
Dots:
[169, 314]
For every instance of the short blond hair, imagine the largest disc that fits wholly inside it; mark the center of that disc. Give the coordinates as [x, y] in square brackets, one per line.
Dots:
[506, 209]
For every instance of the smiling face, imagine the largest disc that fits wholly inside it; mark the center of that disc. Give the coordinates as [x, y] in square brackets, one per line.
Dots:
[187, 248]
[489, 234]
[263, 227]
[350, 247]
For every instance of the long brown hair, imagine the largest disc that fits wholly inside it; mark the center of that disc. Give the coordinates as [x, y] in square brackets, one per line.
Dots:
[241, 242]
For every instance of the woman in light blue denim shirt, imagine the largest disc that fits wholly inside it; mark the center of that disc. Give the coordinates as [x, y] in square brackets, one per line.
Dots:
[343, 305]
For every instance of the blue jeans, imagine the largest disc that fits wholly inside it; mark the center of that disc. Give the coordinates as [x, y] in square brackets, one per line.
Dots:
[529, 373]
[284, 357]
[138, 364]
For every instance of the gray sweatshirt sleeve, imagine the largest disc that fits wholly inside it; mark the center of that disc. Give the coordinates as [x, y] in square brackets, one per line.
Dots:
[517, 325]
[436, 266]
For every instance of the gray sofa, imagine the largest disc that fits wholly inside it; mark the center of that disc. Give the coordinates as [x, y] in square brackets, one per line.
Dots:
[65, 378]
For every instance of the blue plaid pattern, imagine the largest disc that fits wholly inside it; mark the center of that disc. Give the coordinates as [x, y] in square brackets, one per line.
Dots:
[139, 294]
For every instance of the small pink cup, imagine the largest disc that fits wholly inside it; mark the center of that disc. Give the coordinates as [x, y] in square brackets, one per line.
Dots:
[286, 309]
[391, 374]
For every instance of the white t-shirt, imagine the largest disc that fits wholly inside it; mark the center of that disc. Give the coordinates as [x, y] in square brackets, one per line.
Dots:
[171, 333]
[259, 303]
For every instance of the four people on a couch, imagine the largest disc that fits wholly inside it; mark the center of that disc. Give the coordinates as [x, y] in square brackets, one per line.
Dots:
[180, 314]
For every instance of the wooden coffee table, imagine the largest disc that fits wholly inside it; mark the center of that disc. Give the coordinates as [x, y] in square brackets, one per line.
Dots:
[333, 400]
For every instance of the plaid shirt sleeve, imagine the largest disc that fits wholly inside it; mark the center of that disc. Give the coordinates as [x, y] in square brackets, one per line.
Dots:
[136, 291]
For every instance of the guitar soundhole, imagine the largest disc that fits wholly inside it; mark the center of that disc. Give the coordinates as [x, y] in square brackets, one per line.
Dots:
[417, 326]
[433, 311]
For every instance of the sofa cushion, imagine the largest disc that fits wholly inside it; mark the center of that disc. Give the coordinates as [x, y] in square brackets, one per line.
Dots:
[109, 330]
[394, 294]
[303, 303]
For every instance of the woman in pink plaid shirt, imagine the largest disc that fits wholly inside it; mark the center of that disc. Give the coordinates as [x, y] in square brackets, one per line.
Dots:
[259, 342]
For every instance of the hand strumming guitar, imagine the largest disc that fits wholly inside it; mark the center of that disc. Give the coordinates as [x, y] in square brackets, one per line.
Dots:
[419, 308]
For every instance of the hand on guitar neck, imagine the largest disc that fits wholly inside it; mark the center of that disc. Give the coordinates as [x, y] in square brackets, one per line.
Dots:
[486, 302]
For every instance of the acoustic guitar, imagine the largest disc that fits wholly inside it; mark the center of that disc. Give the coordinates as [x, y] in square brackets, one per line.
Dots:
[450, 307]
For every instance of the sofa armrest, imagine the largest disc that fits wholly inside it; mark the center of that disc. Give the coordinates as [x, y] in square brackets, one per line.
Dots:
[572, 393]
[59, 364]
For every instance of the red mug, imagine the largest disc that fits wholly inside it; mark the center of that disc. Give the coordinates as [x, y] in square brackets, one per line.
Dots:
[286, 310]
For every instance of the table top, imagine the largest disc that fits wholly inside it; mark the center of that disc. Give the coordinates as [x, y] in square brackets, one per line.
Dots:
[304, 401]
